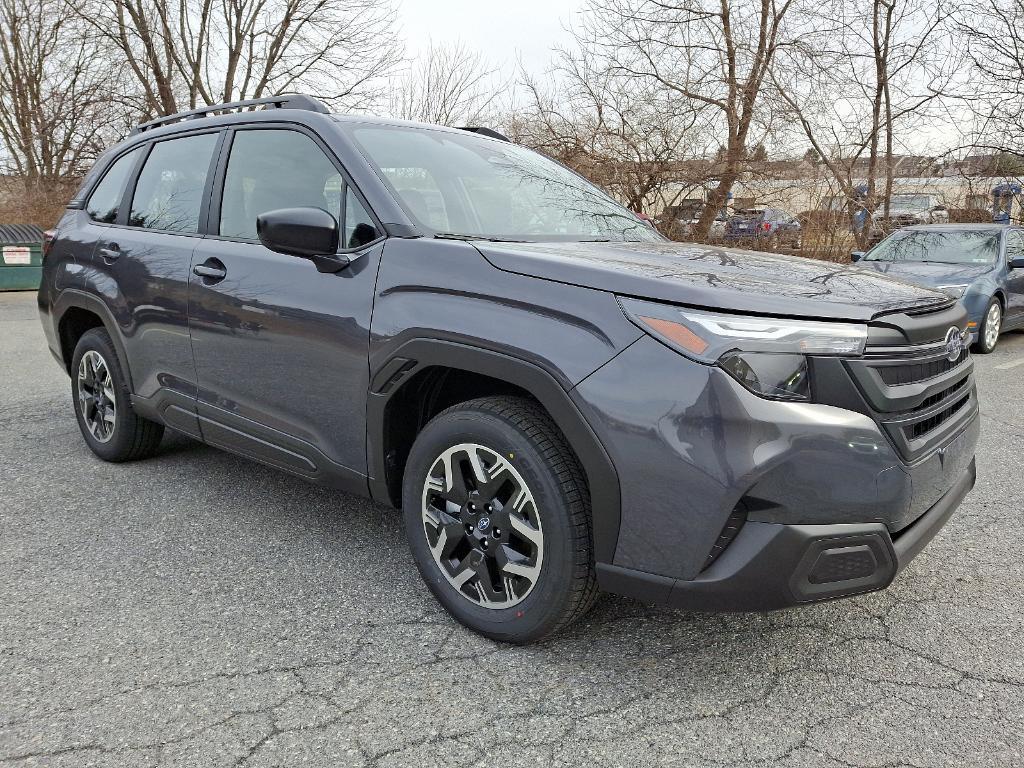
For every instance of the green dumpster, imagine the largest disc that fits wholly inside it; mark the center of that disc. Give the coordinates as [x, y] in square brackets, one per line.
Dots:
[21, 257]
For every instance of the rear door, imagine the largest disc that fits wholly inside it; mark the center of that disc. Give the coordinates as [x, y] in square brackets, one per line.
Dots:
[280, 348]
[1014, 277]
[141, 268]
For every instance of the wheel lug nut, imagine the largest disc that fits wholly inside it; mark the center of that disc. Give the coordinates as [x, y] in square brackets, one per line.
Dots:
[496, 533]
[484, 543]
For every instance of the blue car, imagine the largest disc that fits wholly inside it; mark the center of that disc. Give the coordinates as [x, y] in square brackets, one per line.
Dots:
[771, 227]
[981, 264]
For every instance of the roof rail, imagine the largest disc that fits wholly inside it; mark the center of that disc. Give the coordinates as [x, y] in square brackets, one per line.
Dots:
[488, 132]
[283, 101]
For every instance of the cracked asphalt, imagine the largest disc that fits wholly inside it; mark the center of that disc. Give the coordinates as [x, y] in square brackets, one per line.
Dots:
[197, 609]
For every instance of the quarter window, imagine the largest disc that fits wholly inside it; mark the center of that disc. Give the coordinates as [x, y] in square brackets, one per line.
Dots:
[105, 200]
[169, 193]
[359, 226]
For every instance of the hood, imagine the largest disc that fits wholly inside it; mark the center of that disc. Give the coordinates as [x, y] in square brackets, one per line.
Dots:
[716, 278]
[928, 273]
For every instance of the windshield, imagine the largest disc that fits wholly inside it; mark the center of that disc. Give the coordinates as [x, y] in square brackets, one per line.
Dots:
[910, 203]
[943, 247]
[464, 185]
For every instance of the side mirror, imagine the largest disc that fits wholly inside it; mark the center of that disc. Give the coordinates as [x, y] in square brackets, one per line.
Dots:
[309, 233]
[856, 256]
[1017, 262]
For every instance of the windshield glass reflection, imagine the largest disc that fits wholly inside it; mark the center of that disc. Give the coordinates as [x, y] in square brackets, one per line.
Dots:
[464, 185]
[941, 247]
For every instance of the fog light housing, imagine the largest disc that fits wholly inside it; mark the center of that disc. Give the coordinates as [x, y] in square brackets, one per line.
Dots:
[769, 374]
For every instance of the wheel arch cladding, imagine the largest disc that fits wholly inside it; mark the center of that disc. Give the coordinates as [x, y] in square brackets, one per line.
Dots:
[426, 374]
[76, 312]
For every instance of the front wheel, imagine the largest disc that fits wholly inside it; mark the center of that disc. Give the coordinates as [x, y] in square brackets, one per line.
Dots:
[498, 519]
[991, 326]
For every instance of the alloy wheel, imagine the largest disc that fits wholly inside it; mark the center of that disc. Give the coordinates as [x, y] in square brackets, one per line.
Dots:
[992, 324]
[482, 526]
[96, 399]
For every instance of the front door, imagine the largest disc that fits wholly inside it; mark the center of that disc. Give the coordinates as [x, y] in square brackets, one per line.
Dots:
[280, 348]
[1014, 277]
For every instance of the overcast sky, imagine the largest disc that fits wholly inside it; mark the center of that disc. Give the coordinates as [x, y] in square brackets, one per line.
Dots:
[500, 31]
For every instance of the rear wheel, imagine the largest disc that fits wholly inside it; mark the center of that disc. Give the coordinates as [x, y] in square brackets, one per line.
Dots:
[991, 326]
[498, 519]
[102, 403]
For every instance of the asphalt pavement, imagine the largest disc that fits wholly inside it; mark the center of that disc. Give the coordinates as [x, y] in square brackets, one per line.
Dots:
[200, 610]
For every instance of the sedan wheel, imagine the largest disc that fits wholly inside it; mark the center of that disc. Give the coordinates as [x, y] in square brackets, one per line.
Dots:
[991, 327]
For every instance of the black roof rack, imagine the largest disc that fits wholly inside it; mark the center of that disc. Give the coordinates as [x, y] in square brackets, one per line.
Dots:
[283, 101]
[490, 133]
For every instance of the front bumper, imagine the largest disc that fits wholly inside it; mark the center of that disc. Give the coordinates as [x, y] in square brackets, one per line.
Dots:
[770, 566]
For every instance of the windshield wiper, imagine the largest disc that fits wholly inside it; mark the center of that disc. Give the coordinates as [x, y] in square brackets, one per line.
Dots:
[460, 236]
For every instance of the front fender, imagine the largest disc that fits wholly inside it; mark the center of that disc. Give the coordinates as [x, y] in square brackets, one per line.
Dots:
[420, 353]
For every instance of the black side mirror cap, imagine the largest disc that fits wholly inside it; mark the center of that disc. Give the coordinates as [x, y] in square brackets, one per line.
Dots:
[856, 256]
[309, 233]
[1017, 262]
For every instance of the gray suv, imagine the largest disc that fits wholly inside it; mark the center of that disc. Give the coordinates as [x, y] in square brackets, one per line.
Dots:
[558, 399]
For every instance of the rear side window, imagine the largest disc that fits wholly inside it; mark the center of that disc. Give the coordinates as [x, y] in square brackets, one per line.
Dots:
[169, 194]
[105, 200]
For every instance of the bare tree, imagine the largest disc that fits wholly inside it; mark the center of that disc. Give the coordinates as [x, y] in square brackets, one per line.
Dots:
[994, 32]
[631, 138]
[712, 52]
[447, 85]
[859, 80]
[57, 108]
[55, 97]
[185, 53]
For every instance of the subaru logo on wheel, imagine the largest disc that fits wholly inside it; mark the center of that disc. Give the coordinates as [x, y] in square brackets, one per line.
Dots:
[483, 523]
[954, 344]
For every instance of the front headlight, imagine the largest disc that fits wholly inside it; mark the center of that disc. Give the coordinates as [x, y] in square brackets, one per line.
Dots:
[767, 355]
[956, 291]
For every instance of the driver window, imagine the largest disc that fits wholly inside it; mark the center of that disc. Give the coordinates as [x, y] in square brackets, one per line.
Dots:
[271, 169]
[1015, 244]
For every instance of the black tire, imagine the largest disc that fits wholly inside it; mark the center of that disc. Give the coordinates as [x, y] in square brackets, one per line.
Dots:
[519, 432]
[987, 339]
[131, 437]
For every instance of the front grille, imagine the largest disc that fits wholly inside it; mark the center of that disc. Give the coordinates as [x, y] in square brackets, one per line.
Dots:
[913, 372]
[938, 397]
[922, 428]
[918, 396]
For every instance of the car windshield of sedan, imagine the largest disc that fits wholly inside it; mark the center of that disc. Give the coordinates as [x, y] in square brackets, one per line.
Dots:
[938, 246]
[910, 203]
[467, 186]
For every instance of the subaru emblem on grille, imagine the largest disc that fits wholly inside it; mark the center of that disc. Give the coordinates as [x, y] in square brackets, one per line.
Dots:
[954, 344]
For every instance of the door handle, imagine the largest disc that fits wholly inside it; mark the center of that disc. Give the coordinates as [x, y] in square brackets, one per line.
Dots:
[111, 252]
[211, 270]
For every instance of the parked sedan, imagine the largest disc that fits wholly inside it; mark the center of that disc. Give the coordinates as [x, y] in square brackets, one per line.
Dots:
[981, 264]
[771, 226]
